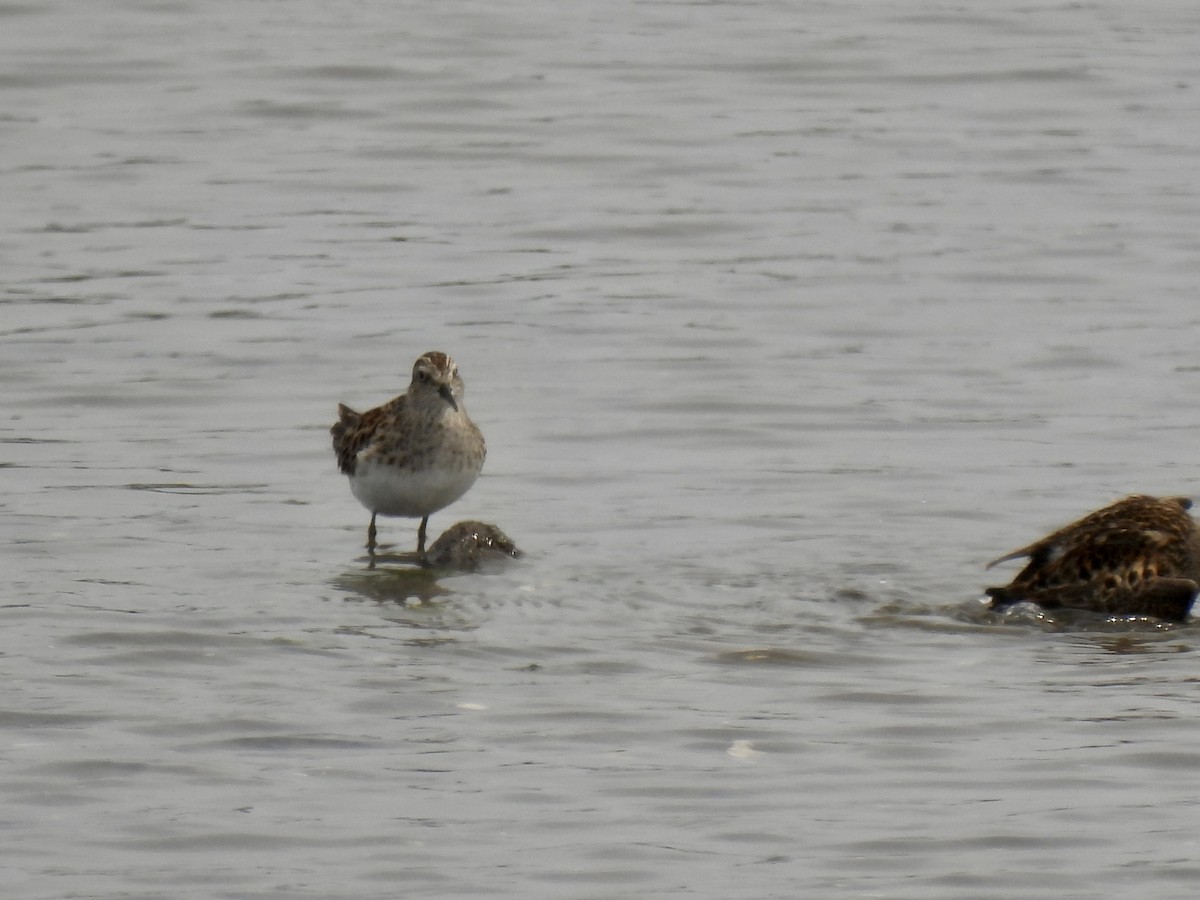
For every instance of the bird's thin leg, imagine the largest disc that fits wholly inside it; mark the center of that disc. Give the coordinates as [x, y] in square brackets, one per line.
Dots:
[421, 536]
[371, 542]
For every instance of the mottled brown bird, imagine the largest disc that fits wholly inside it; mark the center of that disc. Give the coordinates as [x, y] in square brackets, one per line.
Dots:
[1138, 557]
[414, 455]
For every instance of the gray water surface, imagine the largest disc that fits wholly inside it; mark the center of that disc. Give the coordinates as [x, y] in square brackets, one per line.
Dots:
[780, 320]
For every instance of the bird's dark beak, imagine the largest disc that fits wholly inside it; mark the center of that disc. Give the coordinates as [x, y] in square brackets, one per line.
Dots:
[448, 396]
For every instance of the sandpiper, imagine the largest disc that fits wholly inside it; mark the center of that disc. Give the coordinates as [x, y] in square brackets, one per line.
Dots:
[1140, 556]
[414, 455]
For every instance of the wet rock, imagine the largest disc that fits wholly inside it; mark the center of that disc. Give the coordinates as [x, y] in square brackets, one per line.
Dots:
[467, 546]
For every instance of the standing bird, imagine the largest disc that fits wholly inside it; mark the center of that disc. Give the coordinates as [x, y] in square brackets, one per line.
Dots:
[1138, 557]
[415, 454]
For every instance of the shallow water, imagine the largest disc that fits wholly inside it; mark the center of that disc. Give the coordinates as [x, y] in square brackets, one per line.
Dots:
[780, 321]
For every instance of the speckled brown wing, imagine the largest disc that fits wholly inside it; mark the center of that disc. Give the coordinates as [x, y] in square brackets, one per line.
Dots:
[352, 432]
[1135, 557]
[1134, 524]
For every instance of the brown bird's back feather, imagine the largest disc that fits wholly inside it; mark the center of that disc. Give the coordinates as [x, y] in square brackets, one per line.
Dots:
[348, 438]
[1139, 556]
[355, 431]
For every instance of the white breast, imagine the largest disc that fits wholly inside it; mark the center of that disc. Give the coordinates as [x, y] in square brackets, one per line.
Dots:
[392, 492]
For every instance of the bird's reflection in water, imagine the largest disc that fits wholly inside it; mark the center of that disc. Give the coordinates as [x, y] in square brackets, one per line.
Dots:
[411, 579]
[403, 584]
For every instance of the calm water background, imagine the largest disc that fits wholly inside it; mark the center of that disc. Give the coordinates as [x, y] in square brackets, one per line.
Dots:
[780, 320]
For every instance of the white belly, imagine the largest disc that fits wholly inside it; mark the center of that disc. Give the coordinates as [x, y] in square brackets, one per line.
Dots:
[389, 492]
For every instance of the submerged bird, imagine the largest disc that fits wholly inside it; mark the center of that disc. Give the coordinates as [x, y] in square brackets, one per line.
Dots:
[1138, 557]
[470, 546]
[414, 455]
